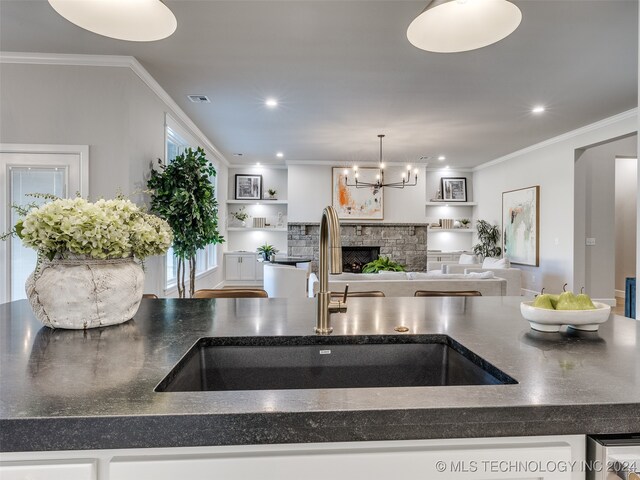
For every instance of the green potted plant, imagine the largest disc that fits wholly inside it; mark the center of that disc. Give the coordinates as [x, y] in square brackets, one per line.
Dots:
[465, 222]
[182, 194]
[383, 264]
[488, 236]
[272, 193]
[266, 251]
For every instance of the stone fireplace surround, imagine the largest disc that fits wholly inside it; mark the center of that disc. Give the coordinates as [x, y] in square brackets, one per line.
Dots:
[405, 243]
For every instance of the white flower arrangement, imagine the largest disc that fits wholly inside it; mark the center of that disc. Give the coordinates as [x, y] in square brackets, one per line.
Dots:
[106, 229]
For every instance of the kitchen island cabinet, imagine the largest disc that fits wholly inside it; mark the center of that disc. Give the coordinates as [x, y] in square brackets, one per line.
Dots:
[90, 395]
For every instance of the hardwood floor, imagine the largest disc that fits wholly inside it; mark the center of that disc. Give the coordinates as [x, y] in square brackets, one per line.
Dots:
[619, 308]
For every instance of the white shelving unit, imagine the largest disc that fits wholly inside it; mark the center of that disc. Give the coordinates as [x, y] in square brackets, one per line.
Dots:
[265, 229]
[451, 240]
[257, 202]
[451, 204]
[456, 230]
[243, 240]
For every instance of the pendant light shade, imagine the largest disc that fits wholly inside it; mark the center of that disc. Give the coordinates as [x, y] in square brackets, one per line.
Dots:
[448, 26]
[133, 20]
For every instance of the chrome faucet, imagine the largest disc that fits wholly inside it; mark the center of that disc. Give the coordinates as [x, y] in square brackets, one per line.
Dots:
[330, 257]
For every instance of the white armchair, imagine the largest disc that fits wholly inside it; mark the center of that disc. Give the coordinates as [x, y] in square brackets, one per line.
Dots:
[281, 281]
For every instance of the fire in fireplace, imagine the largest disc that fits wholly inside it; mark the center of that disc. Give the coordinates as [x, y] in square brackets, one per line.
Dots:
[354, 258]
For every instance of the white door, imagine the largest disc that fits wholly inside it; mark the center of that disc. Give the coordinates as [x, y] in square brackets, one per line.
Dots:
[61, 170]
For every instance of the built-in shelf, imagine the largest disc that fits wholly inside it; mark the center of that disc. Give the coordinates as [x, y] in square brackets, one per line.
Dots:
[457, 230]
[265, 229]
[260, 202]
[451, 204]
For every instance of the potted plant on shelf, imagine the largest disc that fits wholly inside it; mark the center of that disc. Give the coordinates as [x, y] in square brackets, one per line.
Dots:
[266, 251]
[383, 264]
[488, 235]
[272, 193]
[86, 275]
[182, 194]
[241, 215]
[465, 222]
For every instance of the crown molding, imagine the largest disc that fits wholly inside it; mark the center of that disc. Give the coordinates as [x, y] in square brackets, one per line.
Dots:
[450, 169]
[116, 61]
[350, 164]
[266, 166]
[629, 114]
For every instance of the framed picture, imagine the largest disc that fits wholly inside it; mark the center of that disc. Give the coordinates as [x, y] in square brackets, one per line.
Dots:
[248, 187]
[454, 189]
[520, 225]
[357, 203]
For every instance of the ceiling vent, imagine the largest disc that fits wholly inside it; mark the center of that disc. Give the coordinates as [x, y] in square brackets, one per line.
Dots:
[199, 98]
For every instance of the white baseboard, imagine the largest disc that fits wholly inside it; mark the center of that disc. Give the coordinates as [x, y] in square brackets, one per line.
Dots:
[620, 294]
[607, 301]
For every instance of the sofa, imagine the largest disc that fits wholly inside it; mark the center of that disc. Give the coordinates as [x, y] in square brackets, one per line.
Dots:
[401, 284]
[513, 276]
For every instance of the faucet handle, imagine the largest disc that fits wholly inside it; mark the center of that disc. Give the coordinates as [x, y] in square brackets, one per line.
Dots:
[346, 291]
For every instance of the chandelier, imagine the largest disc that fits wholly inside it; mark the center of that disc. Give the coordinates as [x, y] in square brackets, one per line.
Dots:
[408, 178]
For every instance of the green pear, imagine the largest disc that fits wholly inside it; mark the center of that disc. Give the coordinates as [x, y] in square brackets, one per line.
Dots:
[584, 301]
[567, 301]
[543, 301]
[554, 300]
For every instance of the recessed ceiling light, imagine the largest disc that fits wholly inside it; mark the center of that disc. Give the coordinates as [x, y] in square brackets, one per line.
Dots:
[442, 158]
[538, 109]
[279, 154]
[139, 21]
[271, 102]
[258, 164]
[237, 154]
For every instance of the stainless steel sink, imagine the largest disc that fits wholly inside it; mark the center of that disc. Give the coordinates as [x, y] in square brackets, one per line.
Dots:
[277, 363]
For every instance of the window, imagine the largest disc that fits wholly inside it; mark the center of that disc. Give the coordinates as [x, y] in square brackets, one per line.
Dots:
[206, 259]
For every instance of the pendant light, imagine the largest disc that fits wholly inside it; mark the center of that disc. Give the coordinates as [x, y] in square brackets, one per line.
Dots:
[448, 26]
[133, 20]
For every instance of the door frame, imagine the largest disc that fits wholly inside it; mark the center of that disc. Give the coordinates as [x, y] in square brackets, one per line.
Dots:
[81, 150]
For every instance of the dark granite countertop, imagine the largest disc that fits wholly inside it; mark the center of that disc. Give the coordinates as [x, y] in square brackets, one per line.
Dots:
[63, 390]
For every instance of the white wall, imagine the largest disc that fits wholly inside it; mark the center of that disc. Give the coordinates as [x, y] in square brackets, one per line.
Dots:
[594, 217]
[310, 191]
[108, 108]
[626, 192]
[550, 165]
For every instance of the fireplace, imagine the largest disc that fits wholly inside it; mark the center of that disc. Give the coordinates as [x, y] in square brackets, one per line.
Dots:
[354, 258]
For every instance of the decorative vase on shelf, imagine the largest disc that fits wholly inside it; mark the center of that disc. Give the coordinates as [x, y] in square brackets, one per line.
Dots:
[78, 292]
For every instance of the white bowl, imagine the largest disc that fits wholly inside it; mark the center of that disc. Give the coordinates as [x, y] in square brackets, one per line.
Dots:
[545, 320]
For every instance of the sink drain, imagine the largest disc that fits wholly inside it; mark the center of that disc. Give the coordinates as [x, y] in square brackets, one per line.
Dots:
[401, 329]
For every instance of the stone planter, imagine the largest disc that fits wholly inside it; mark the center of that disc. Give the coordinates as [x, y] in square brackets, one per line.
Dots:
[80, 293]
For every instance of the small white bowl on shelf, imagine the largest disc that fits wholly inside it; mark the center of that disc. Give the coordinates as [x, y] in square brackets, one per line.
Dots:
[546, 320]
